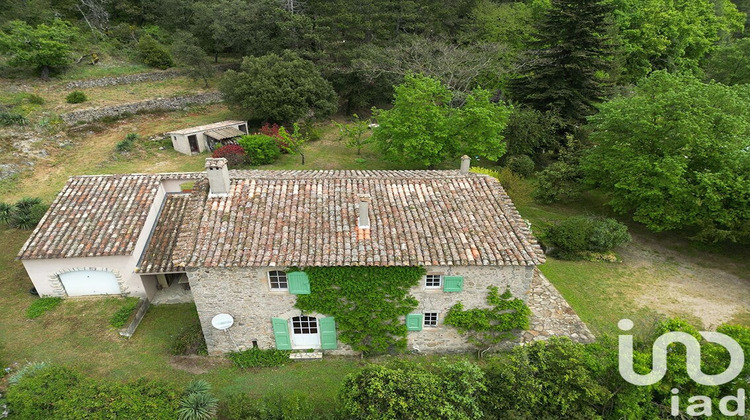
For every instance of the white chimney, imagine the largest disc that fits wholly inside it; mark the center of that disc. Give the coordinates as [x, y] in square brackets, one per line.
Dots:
[364, 211]
[465, 164]
[218, 176]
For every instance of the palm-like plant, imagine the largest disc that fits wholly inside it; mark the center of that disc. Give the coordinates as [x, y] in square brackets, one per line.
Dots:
[197, 406]
[6, 210]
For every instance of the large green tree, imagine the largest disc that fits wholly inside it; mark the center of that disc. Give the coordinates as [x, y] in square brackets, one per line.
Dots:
[566, 71]
[671, 35]
[278, 88]
[44, 47]
[676, 154]
[423, 128]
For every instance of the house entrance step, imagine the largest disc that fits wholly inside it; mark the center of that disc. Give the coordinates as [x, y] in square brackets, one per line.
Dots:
[306, 355]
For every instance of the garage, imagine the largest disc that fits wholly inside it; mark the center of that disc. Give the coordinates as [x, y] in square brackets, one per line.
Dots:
[90, 282]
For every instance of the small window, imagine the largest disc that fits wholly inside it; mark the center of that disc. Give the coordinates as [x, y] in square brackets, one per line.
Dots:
[430, 319]
[277, 280]
[433, 281]
[243, 128]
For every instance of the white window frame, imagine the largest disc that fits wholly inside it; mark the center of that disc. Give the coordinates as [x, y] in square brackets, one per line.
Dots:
[436, 319]
[439, 285]
[270, 283]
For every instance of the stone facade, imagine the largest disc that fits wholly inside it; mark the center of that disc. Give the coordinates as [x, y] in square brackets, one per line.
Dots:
[123, 80]
[159, 104]
[245, 294]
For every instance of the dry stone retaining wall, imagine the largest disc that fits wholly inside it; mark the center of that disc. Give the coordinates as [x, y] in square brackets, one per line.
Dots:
[123, 80]
[159, 104]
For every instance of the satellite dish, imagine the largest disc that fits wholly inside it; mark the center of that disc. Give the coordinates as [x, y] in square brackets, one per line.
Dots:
[222, 321]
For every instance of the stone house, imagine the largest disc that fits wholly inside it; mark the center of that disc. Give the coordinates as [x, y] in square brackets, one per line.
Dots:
[205, 138]
[234, 239]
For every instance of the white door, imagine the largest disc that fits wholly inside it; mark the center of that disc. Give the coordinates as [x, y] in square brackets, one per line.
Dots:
[305, 332]
[89, 282]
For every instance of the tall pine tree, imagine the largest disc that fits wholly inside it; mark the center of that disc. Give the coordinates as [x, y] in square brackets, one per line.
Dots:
[566, 69]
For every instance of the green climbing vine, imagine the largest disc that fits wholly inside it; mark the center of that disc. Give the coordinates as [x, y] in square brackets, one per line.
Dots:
[367, 303]
[486, 327]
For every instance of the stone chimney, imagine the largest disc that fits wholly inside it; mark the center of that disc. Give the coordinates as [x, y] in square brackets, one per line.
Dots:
[465, 164]
[364, 211]
[218, 176]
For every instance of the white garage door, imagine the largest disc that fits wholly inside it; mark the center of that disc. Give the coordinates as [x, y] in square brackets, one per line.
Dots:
[85, 283]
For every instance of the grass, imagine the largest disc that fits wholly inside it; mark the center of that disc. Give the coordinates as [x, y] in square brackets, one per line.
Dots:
[122, 315]
[41, 306]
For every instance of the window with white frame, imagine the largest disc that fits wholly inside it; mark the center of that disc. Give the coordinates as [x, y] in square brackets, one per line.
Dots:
[433, 281]
[277, 280]
[430, 319]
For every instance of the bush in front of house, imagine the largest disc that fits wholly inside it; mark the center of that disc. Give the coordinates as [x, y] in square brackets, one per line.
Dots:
[42, 305]
[153, 54]
[285, 405]
[521, 165]
[189, 340]
[256, 357]
[576, 235]
[260, 149]
[76, 97]
[233, 153]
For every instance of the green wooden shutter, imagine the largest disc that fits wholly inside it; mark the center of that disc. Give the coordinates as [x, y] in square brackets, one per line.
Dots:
[328, 333]
[453, 283]
[299, 283]
[414, 322]
[281, 333]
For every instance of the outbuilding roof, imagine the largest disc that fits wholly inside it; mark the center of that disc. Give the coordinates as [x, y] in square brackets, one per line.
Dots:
[96, 216]
[207, 127]
[309, 218]
[224, 133]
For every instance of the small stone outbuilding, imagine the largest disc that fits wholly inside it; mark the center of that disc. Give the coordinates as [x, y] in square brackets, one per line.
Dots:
[206, 138]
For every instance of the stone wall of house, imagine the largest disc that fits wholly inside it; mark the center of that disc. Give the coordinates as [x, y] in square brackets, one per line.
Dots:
[245, 294]
[150, 105]
[123, 80]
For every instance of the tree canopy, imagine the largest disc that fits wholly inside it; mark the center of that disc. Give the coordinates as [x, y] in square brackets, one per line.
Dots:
[44, 47]
[278, 88]
[422, 128]
[676, 155]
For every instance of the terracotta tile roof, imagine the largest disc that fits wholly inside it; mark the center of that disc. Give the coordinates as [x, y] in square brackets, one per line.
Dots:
[157, 257]
[309, 218]
[93, 216]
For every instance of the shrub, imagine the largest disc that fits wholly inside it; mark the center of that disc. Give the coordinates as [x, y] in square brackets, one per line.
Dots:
[42, 305]
[579, 234]
[153, 54]
[561, 181]
[76, 97]
[272, 130]
[122, 315]
[233, 153]
[197, 402]
[260, 149]
[35, 394]
[35, 99]
[27, 369]
[127, 143]
[189, 340]
[256, 357]
[6, 211]
[521, 165]
[10, 118]
[280, 406]
[26, 213]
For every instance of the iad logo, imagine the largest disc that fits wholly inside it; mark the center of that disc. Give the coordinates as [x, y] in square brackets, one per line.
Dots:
[659, 353]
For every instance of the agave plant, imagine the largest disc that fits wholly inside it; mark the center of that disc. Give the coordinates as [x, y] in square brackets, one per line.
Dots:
[22, 217]
[198, 386]
[6, 210]
[197, 406]
[27, 203]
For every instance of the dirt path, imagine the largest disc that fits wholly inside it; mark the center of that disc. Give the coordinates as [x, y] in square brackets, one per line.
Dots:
[677, 285]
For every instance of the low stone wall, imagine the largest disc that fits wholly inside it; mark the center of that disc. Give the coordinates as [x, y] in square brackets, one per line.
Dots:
[123, 80]
[159, 104]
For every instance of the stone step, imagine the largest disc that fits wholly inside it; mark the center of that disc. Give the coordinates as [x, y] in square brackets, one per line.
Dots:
[306, 356]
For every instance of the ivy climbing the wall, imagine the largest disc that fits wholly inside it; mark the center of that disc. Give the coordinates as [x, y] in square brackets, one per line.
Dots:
[367, 303]
[486, 327]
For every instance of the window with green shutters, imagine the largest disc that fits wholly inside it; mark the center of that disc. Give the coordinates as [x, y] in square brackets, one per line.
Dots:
[328, 333]
[453, 283]
[299, 283]
[414, 322]
[281, 333]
